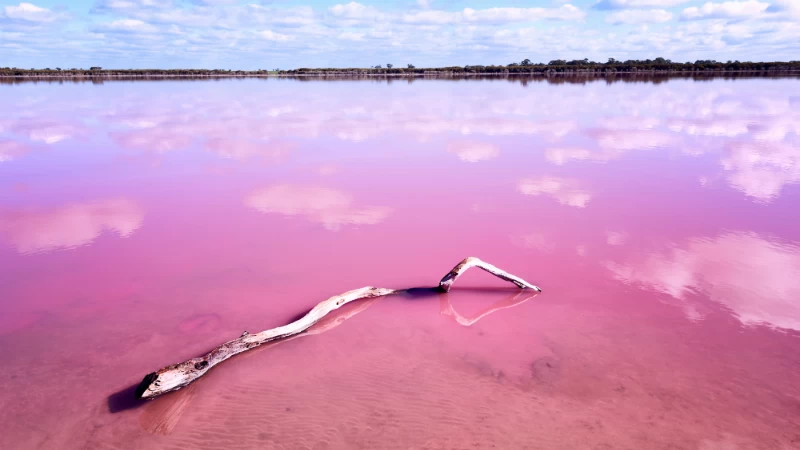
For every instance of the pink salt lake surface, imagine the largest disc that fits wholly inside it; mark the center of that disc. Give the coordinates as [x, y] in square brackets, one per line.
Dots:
[143, 223]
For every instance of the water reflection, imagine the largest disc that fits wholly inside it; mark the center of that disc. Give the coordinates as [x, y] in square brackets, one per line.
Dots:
[750, 128]
[244, 149]
[153, 140]
[429, 172]
[10, 150]
[446, 307]
[566, 191]
[330, 207]
[47, 132]
[761, 170]
[471, 151]
[754, 276]
[68, 226]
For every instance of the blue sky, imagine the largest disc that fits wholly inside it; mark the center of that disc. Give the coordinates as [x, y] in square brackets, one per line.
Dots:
[264, 34]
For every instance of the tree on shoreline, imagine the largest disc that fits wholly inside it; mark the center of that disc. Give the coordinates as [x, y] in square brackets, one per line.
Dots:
[657, 65]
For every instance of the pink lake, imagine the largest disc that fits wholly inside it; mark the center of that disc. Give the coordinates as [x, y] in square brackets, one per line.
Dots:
[144, 223]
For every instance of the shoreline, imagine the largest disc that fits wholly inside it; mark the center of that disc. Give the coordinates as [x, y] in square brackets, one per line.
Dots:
[434, 73]
[413, 75]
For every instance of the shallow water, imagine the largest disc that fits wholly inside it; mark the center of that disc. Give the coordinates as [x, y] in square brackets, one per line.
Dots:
[143, 223]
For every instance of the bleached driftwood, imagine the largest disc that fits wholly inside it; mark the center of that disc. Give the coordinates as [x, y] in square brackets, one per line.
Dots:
[176, 376]
[161, 417]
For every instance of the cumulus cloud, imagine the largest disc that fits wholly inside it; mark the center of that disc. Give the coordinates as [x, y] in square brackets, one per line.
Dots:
[725, 10]
[354, 11]
[494, 15]
[241, 35]
[273, 36]
[130, 5]
[27, 16]
[792, 7]
[630, 4]
[330, 207]
[755, 277]
[635, 16]
[125, 26]
[567, 191]
[351, 36]
[30, 13]
[69, 226]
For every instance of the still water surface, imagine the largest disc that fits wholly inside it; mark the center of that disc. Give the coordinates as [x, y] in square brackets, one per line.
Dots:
[142, 223]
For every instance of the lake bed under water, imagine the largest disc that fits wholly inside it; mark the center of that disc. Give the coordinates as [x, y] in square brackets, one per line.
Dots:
[144, 223]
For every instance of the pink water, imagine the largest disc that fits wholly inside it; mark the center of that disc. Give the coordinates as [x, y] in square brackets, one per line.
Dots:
[143, 223]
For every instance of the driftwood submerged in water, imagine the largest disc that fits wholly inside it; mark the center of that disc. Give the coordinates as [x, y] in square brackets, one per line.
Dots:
[177, 376]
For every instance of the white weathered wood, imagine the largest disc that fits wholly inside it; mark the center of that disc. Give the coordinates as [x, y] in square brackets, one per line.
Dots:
[176, 376]
[472, 261]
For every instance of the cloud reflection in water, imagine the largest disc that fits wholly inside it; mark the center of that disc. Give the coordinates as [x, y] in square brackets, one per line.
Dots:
[68, 226]
[330, 207]
[753, 276]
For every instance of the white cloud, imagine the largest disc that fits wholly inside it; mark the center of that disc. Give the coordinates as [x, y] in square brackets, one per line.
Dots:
[494, 15]
[227, 34]
[131, 5]
[725, 10]
[634, 16]
[30, 13]
[351, 36]
[631, 4]
[566, 191]
[354, 11]
[127, 25]
[791, 7]
[276, 37]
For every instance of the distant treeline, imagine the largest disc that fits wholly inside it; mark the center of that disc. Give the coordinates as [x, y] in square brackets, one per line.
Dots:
[98, 71]
[555, 67]
[523, 79]
[578, 66]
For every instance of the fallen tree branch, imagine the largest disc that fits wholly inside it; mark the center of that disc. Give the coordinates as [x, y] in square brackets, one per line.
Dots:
[176, 376]
[162, 417]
